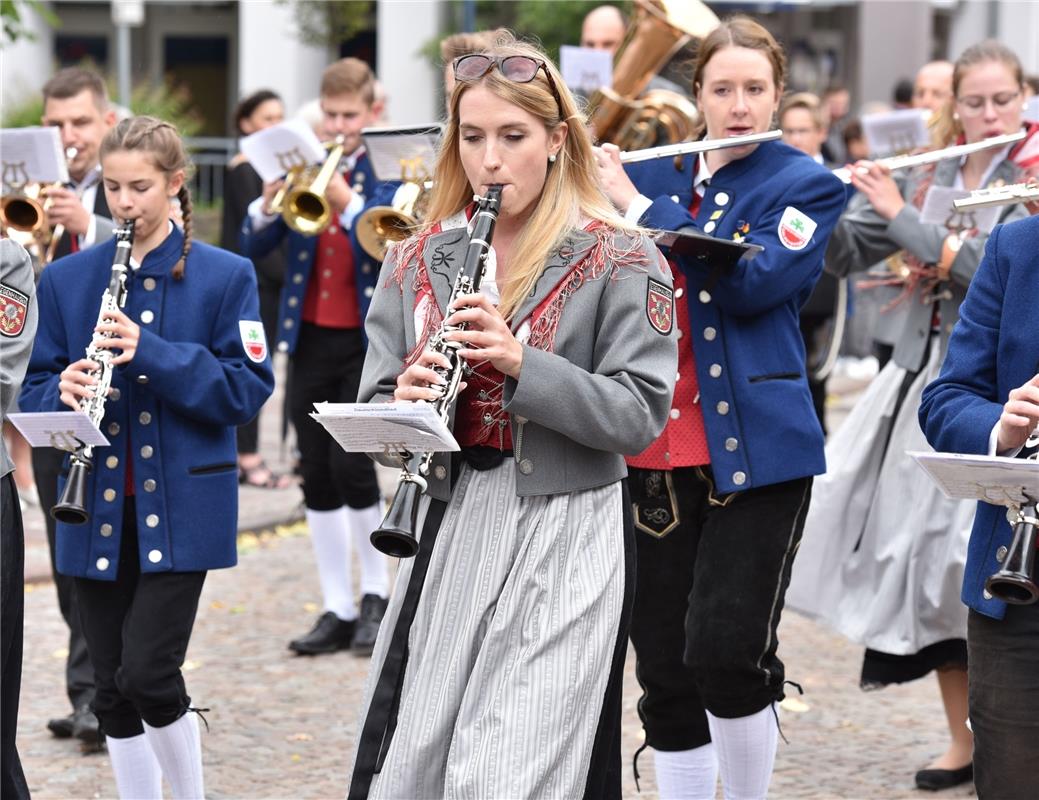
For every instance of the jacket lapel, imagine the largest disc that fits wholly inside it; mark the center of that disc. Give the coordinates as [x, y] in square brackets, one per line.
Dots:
[443, 256]
[573, 249]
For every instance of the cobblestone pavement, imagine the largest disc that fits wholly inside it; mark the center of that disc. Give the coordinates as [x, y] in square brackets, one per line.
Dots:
[282, 726]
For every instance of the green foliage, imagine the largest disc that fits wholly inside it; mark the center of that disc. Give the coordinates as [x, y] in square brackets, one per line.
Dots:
[12, 17]
[326, 23]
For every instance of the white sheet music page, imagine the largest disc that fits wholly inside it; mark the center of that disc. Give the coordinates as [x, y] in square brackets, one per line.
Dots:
[277, 149]
[31, 155]
[993, 479]
[64, 430]
[385, 427]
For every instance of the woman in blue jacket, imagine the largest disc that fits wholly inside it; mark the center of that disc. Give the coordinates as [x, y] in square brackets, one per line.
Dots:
[986, 401]
[721, 497]
[191, 363]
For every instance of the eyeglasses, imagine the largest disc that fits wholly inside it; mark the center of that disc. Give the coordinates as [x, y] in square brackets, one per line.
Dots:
[519, 69]
[974, 105]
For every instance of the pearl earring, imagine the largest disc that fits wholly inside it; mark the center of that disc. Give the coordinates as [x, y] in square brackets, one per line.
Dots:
[551, 158]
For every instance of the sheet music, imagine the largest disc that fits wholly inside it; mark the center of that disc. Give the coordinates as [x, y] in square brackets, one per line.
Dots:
[895, 131]
[585, 68]
[32, 155]
[277, 149]
[938, 209]
[993, 479]
[408, 153]
[64, 430]
[385, 427]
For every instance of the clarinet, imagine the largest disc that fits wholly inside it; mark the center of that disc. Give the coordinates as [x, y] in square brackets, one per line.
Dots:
[396, 535]
[71, 506]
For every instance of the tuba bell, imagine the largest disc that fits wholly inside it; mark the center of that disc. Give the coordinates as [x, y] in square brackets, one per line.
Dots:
[378, 226]
[622, 114]
[301, 200]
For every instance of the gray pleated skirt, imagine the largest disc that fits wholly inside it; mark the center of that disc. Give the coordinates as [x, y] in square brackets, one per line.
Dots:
[512, 644]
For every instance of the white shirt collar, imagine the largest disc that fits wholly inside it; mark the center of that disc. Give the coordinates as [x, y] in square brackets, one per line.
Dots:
[703, 175]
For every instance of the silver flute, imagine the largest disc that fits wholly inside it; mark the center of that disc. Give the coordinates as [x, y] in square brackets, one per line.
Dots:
[701, 146]
[1000, 196]
[932, 156]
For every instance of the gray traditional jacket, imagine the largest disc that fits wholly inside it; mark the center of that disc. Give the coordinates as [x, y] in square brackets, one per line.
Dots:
[863, 238]
[18, 319]
[603, 390]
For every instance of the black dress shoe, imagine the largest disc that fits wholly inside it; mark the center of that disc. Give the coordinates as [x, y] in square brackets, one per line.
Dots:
[61, 727]
[84, 726]
[328, 635]
[373, 608]
[936, 779]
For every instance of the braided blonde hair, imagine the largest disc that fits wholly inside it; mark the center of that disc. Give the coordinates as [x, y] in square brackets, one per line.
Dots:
[162, 141]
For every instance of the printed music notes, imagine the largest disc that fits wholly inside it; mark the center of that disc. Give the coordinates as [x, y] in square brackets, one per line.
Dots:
[389, 428]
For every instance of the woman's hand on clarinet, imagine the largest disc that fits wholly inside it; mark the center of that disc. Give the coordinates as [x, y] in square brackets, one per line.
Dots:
[124, 335]
[76, 383]
[488, 337]
[612, 177]
[1020, 417]
[419, 381]
[876, 183]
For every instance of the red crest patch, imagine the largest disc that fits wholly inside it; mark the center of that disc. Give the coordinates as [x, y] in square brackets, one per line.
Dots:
[660, 306]
[13, 307]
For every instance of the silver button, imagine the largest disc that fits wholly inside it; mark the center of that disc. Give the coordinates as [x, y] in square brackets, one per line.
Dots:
[112, 462]
[288, 324]
[440, 472]
[526, 466]
[113, 429]
[678, 333]
[675, 413]
[986, 594]
[115, 394]
[283, 347]
[293, 302]
[298, 278]
[705, 297]
[368, 291]
[709, 227]
[149, 284]
[106, 530]
[149, 485]
[715, 370]
[324, 295]
[667, 456]
[679, 291]
[678, 377]
[731, 444]
[109, 495]
[147, 316]
[487, 419]
[366, 268]
[145, 418]
[709, 334]
[722, 407]
[154, 556]
[739, 478]
[674, 198]
[142, 379]
[520, 420]
[721, 198]
[1001, 553]
[329, 251]
[152, 520]
[147, 451]
[302, 257]
[102, 564]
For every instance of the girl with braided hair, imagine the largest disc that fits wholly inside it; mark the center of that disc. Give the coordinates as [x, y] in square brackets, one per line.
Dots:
[190, 365]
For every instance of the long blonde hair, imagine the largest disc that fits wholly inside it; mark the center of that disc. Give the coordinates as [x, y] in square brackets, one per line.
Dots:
[571, 192]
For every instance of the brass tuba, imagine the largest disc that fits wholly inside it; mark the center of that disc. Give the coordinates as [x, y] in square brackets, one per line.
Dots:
[622, 114]
[378, 226]
[301, 200]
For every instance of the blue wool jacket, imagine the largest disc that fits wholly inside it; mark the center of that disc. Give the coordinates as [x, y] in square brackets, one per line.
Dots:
[303, 253]
[750, 359]
[993, 348]
[174, 407]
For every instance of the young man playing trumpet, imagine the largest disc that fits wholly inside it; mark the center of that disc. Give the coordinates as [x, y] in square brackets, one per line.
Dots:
[329, 282]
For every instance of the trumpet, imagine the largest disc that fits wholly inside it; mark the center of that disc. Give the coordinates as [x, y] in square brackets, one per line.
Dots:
[301, 199]
[380, 225]
[25, 211]
[701, 146]
[1000, 196]
[933, 156]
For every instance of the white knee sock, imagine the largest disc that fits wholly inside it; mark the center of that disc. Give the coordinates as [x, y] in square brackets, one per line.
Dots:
[687, 774]
[330, 534]
[137, 772]
[178, 748]
[746, 753]
[375, 575]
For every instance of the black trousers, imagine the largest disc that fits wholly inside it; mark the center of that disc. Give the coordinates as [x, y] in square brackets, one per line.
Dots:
[137, 629]
[1003, 681]
[248, 435]
[12, 616]
[327, 367]
[79, 674]
[712, 574]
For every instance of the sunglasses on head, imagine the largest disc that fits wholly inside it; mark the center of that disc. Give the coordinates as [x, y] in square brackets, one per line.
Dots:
[520, 69]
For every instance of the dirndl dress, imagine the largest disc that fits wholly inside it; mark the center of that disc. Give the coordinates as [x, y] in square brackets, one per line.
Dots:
[883, 552]
[517, 640]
